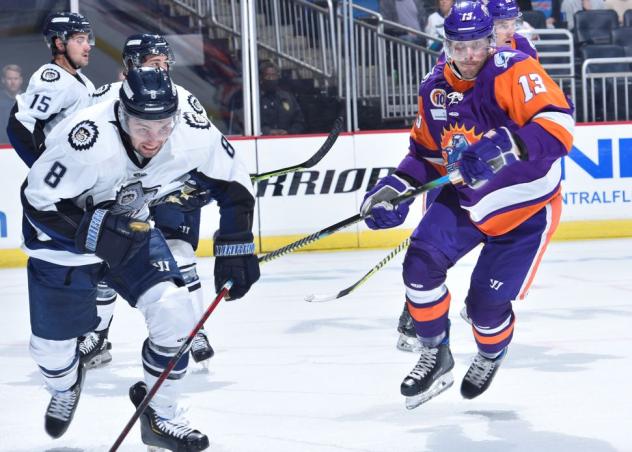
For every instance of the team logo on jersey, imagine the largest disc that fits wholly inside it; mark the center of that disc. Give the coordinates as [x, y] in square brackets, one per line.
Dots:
[455, 97]
[501, 59]
[50, 75]
[195, 104]
[196, 121]
[132, 198]
[83, 135]
[454, 140]
[102, 90]
[437, 97]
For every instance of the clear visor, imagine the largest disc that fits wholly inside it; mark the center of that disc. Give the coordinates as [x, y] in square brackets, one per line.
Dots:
[505, 25]
[139, 60]
[468, 50]
[147, 129]
[83, 37]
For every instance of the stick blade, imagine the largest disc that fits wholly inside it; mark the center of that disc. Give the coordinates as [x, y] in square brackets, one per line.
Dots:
[313, 298]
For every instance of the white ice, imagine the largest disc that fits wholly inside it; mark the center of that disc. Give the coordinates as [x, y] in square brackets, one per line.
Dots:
[294, 376]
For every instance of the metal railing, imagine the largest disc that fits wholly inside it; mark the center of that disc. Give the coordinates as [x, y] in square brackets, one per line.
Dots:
[609, 91]
[557, 55]
[390, 63]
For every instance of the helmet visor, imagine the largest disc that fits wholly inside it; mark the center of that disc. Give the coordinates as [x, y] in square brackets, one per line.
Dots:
[464, 50]
[142, 129]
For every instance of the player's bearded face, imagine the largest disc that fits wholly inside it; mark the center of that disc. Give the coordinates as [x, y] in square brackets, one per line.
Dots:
[148, 137]
[504, 29]
[468, 56]
[78, 49]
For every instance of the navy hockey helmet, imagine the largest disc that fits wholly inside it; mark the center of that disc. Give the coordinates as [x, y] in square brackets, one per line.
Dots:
[64, 25]
[140, 46]
[468, 21]
[504, 9]
[148, 93]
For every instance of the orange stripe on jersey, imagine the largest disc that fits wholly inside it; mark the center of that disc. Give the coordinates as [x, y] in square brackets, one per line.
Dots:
[432, 313]
[559, 132]
[556, 213]
[496, 338]
[525, 89]
[420, 131]
[505, 222]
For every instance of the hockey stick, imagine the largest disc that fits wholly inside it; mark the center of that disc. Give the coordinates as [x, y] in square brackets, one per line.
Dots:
[359, 282]
[313, 160]
[190, 190]
[184, 348]
[329, 230]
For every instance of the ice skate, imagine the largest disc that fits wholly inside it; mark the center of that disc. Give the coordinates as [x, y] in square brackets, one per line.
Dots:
[62, 406]
[201, 350]
[480, 374]
[430, 376]
[464, 315]
[407, 341]
[94, 349]
[165, 434]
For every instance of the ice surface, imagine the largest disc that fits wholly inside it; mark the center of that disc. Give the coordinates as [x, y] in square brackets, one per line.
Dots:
[295, 376]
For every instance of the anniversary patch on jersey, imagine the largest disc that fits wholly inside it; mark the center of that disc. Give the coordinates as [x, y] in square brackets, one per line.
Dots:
[102, 90]
[83, 135]
[196, 121]
[195, 104]
[50, 75]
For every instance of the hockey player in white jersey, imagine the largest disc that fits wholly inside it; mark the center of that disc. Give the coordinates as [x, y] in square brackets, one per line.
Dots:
[86, 201]
[57, 89]
[181, 229]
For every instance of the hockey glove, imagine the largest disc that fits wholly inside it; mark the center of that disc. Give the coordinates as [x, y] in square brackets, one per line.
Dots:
[496, 150]
[379, 211]
[235, 260]
[113, 238]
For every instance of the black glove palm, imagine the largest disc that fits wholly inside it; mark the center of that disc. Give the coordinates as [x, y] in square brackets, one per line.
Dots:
[235, 260]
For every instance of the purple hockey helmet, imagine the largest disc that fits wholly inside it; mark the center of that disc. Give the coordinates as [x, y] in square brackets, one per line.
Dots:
[468, 21]
[504, 9]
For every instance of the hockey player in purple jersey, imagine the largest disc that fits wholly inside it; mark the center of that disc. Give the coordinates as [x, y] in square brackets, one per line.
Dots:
[505, 14]
[494, 118]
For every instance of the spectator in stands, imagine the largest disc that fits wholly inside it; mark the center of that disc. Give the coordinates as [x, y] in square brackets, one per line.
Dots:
[620, 6]
[434, 27]
[409, 13]
[570, 7]
[11, 87]
[280, 112]
[551, 10]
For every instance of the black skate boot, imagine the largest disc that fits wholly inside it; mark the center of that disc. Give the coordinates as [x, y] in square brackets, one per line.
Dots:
[201, 349]
[94, 349]
[430, 376]
[480, 374]
[169, 434]
[407, 341]
[62, 406]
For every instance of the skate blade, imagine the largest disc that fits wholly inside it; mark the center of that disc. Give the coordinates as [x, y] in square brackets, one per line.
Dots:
[464, 315]
[155, 449]
[99, 361]
[439, 386]
[408, 344]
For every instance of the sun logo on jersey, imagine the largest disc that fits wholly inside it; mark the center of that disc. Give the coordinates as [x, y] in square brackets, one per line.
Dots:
[195, 104]
[50, 75]
[83, 135]
[454, 140]
[102, 90]
[196, 121]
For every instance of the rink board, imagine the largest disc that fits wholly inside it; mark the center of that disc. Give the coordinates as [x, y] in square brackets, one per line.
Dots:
[597, 189]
